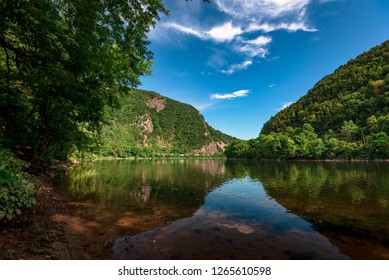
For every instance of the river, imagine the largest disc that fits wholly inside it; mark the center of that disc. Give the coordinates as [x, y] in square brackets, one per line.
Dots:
[216, 209]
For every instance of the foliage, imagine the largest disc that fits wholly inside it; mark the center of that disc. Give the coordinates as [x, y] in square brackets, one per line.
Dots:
[16, 189]
[379, 145]
[353, 93]
[62, 62]
[335, 118]
[149, 125]
[237, 148]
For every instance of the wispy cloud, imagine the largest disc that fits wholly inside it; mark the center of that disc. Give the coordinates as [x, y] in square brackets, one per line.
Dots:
[221, 33]
[203, 107]
[181, 74]
[185, 29]
[291, 27]
[243, 27]
[262, 8]
[236, 67]
[235, 94]
[285, 105]
[218, 59]
[253, 48]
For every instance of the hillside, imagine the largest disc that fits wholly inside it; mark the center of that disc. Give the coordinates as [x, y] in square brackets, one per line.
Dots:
[345, 115]
[148, 124]
[357, 91]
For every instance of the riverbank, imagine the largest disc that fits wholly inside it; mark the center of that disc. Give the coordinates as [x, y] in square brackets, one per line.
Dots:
[49, 229]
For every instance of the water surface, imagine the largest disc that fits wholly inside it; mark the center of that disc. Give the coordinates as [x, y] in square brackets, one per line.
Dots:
[208, 209]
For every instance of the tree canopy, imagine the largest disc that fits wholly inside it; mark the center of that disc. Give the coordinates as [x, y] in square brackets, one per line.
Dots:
[62, 62]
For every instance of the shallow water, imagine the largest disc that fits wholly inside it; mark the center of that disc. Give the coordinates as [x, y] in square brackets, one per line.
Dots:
[210, 209]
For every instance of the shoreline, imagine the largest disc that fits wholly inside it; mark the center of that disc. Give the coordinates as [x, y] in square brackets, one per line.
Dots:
[48, 230]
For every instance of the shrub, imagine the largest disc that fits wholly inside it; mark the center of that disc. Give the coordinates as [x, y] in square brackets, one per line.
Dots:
[16, 188]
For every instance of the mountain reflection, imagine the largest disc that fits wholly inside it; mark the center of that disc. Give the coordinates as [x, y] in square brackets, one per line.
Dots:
[246, 206]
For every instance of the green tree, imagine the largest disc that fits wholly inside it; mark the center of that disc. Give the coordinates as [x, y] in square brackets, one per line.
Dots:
[62, 62]
[237, 149]
[379, 145]
[372, 124]
[309, 145]
[349, 129]
[383, 123]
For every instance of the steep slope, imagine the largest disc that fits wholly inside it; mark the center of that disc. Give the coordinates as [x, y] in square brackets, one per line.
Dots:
[357, 92]
[148, 124]
[344, 116]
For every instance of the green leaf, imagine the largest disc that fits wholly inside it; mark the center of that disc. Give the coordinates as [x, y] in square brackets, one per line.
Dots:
[2, 215]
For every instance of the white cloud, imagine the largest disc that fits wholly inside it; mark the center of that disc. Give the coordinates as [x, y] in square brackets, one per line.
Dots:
[260, 41]
[236, 94]
[236, 67]
[222, 33]
[262, 8]
[268, 15]
[242, 31]
[286, 105]
[184, 29]
[295, 26]
[253, 48]
[291, 27]
[225, 32]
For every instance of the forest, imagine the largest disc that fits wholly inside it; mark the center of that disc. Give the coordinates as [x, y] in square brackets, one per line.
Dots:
[344, 116]
[148, 125]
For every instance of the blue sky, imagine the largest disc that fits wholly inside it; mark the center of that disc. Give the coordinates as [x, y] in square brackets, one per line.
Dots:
[241, 61]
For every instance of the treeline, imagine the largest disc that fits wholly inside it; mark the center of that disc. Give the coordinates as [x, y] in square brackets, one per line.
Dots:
[304, 143]
[345, 115]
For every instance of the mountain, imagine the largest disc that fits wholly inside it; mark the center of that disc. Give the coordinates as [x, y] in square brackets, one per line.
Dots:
[148, 124]
[345, 115]
[357, 92]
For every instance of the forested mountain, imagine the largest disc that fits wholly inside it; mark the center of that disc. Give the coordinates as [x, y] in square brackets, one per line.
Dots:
[148, 124]
[357, 92]
[345, 115]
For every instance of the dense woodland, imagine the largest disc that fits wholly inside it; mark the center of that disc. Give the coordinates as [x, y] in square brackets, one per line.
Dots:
[344, 116]
[147, 124]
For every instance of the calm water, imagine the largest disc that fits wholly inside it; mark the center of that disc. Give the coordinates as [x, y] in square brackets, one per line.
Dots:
[208, 209]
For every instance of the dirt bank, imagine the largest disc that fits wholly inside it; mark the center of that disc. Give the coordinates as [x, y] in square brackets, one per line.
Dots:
[50, 230]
